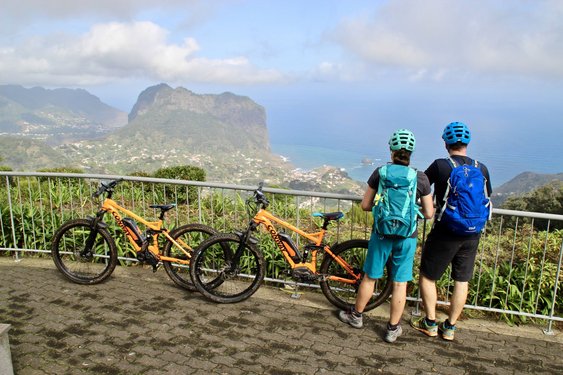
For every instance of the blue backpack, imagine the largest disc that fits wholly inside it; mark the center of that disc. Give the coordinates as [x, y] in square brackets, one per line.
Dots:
[395, 211]
[466, 206]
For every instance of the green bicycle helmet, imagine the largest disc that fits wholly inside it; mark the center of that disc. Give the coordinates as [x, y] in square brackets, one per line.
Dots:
[402, 138]
[456, 132]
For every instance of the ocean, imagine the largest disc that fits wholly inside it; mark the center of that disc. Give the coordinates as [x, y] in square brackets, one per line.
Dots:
[502, 166]
[310, 157]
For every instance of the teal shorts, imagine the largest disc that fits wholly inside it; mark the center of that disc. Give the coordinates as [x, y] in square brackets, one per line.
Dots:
[401, 251]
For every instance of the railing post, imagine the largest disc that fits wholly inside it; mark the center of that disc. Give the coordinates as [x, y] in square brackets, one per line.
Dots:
[549, 331]
[8, 188]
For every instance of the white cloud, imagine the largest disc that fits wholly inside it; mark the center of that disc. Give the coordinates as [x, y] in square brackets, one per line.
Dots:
[21, 10]
[442, 38]
[115, 51]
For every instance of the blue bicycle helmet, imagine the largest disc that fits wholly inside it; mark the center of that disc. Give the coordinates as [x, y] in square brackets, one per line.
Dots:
[456, 132]
[402, 138]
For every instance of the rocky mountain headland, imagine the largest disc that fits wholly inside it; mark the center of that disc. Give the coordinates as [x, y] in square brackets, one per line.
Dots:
[224, 134]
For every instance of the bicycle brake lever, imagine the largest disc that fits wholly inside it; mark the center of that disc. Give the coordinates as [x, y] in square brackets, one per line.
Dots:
[100, 190]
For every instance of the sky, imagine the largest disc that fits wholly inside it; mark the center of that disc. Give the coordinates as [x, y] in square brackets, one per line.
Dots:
[330, 73]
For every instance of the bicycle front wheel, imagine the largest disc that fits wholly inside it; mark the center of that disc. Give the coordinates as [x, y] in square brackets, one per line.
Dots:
[78, 263]
[220, 277]
[189, 237]
[340, 286]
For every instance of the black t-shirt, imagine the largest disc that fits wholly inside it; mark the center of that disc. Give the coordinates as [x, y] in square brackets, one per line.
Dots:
[438, 174]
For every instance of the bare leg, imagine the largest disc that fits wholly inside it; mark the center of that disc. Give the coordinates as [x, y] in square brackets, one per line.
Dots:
[364, 293]
[398, 300]
[429, 296]
[459, 296]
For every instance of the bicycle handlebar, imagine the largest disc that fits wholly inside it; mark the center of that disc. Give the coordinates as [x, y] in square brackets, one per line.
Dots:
[106, 188]
[259, 196]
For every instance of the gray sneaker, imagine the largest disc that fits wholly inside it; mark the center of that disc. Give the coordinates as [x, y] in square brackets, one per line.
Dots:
[348, 317]
[391, 335]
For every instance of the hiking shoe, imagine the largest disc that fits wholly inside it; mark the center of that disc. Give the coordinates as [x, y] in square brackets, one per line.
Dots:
[446, 330]
[392, 334]
[353, 319]
[420, 324]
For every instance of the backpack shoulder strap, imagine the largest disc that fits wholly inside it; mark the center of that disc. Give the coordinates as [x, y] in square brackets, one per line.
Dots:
[413, 178]
[412, 174]
[383, 172]
[453, 164]
[382, 176]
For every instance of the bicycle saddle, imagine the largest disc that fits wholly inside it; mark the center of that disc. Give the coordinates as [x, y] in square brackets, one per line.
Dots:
[163, 207]
[329, 215]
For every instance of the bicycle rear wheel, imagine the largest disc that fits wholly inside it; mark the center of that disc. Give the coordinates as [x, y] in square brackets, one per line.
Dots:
[334, 286]
[78, 264]
[189, 237]
[215, 274]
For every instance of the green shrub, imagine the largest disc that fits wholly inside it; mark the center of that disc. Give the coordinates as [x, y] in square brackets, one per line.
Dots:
[182, 172]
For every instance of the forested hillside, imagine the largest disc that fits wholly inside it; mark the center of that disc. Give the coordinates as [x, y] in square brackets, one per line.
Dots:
[55, 116]
[521, 184]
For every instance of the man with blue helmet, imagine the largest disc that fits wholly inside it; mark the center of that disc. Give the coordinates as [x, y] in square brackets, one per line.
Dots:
[445, 246]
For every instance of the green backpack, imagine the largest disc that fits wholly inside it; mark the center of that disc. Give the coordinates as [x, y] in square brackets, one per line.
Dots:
[395, 211]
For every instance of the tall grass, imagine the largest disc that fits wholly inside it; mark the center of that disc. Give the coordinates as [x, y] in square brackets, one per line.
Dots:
[515, 270]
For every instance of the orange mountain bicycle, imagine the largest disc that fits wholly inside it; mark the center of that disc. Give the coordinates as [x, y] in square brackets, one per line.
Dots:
[229, 268]
[86, 253]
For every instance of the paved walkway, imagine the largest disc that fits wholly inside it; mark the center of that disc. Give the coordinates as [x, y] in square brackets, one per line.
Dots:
[140, 323]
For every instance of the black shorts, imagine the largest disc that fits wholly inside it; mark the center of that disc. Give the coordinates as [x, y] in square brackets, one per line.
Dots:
[440, 250]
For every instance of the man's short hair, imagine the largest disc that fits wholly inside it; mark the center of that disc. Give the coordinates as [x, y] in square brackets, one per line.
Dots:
[456, 146]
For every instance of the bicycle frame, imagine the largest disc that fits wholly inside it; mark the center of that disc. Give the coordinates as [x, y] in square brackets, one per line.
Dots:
[155, 227]
[266, 218]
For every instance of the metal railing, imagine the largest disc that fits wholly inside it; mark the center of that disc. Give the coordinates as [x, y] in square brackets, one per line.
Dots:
[517, 271]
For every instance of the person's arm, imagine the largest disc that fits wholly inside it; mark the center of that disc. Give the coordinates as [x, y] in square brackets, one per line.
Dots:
[424, 191]
[432, 172]
[367, 201]
[427, 206]
[488, 178]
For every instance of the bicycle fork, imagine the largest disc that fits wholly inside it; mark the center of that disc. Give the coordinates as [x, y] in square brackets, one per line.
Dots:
[95, 223]
[245, 237]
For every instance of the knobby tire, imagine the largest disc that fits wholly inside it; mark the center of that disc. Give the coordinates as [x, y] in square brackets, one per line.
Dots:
[343, 295]
[214, 275]
[68, 244]
[192, 235]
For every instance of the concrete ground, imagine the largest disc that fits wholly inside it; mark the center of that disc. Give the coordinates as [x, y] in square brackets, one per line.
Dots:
[138, 322]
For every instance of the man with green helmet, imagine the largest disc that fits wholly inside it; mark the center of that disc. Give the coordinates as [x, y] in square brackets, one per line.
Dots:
[445, 244]
[392, 238]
